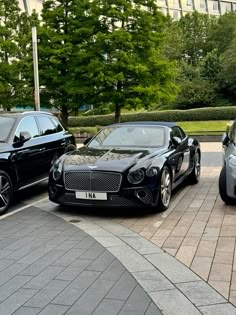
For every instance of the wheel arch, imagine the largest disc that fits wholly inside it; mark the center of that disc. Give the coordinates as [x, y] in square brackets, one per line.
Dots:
[6, 167]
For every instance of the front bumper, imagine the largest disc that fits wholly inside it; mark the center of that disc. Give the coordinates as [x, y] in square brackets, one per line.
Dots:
[127, 197]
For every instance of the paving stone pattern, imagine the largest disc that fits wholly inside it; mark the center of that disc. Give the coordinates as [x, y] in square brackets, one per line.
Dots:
[199, 230]
[51, 267]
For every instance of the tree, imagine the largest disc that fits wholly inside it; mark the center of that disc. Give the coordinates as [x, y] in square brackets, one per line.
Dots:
[195, 30]
[222, 32]
[25, 58]
[130, 69]
[229, 68]
[67, 28]
[103, 52]
[195, 90]
[9, 49]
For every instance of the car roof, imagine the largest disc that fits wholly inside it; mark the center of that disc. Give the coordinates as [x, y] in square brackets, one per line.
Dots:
[147, 123]
[29, 113]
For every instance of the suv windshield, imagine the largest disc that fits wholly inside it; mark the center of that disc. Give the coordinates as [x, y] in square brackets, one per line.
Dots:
[129, 136]
[6, 123]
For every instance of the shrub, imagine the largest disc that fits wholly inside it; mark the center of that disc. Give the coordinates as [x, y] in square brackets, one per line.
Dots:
[209, 113]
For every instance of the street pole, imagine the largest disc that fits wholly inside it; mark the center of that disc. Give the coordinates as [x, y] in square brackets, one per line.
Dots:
[35, 60]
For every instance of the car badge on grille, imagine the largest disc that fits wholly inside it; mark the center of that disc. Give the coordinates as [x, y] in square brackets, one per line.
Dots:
[92, 166]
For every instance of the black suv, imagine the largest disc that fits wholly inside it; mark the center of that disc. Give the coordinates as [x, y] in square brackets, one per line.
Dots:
[29, 143]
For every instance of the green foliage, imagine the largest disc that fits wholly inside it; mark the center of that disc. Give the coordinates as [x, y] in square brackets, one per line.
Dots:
[9, 71]
[229, 67]
[114, 60]
[212, 113]
[195, 28]
[222, 32]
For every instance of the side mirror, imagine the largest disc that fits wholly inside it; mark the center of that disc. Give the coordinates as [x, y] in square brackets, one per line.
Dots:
[87, 140]
[225, 138]
[176, 141]
[24, 136]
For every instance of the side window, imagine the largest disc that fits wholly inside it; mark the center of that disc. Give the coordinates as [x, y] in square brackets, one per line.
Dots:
[46, 126]
[175, 132]
[183, 135]
[57, 124]
[27, 124]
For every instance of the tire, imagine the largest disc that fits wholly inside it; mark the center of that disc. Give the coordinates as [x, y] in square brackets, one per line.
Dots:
[164, 190]
[194, 176]
[222, 187]
[6, 192]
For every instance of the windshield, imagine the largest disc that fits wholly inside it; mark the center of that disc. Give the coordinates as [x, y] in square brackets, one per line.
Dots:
[6, 123]
[129, 136]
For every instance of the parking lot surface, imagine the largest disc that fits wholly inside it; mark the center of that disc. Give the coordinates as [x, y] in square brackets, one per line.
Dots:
[183, 258]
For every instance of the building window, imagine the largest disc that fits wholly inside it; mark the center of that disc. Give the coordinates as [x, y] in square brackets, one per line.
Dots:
[177, 4]
[234, 6]
[189, 3]
[215, 6]
[203, 4]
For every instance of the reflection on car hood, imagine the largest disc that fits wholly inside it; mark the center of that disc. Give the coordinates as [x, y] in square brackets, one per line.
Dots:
[110, 159]
[4, 147]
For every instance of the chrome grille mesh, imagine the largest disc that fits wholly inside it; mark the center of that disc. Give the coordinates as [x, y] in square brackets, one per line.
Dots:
[93, 181]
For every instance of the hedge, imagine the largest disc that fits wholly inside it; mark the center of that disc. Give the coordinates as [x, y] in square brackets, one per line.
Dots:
[209, 113]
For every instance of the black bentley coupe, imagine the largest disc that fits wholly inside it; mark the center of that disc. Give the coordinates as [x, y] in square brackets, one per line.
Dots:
[126, 165]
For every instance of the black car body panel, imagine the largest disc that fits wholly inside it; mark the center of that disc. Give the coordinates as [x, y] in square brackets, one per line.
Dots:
[104, 170]
[28, 160]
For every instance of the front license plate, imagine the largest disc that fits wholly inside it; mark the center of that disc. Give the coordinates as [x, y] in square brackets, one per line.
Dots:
[90, 195]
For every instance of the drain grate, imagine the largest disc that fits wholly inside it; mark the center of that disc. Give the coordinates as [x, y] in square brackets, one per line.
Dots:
[74, 221]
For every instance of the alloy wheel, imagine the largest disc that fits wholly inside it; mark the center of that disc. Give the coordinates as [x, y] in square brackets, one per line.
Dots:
[165, 187]
[5, 192]
[197, 167]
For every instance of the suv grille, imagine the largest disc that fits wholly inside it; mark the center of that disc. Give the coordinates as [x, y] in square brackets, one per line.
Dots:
[93, 181]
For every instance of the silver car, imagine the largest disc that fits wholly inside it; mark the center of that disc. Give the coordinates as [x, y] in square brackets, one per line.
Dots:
[227, 179]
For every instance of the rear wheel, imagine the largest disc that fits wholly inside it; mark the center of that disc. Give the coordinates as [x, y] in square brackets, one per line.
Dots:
[164, 190]
[6, 191]
[222, 187]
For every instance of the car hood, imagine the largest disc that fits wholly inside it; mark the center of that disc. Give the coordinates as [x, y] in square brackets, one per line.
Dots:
[110, 159]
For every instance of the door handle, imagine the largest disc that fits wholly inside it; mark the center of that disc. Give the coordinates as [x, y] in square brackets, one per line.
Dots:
[42, 149]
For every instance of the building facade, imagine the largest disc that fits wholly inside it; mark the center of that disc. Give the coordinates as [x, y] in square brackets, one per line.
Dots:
[175, 8]
[178, 8]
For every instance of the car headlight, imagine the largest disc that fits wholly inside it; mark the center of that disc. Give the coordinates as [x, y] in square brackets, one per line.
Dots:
[136, 177]
[232, 159]
[151, 171]
[57, 169]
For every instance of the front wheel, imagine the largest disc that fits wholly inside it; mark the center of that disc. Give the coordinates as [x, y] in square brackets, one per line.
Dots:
[194, 176]
[222, 187]
[6, 191]
[164, 190]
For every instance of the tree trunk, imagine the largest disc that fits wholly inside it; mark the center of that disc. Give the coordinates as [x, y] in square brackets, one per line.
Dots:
[64, 116]
[117, 113]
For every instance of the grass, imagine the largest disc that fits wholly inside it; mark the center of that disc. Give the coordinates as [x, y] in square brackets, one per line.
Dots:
[212, 127]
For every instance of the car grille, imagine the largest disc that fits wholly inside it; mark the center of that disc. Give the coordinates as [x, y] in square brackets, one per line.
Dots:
[93, 181]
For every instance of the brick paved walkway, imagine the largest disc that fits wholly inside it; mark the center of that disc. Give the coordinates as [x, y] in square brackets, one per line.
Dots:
[48, 266]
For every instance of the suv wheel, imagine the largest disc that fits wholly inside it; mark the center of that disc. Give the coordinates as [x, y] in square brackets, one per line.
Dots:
[222, 187]
[6, 191]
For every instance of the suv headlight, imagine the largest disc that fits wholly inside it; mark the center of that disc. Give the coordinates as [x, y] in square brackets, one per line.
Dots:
[57, 169]
[136, 177]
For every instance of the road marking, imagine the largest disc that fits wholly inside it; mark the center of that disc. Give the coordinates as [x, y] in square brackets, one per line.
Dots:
[22, 208]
